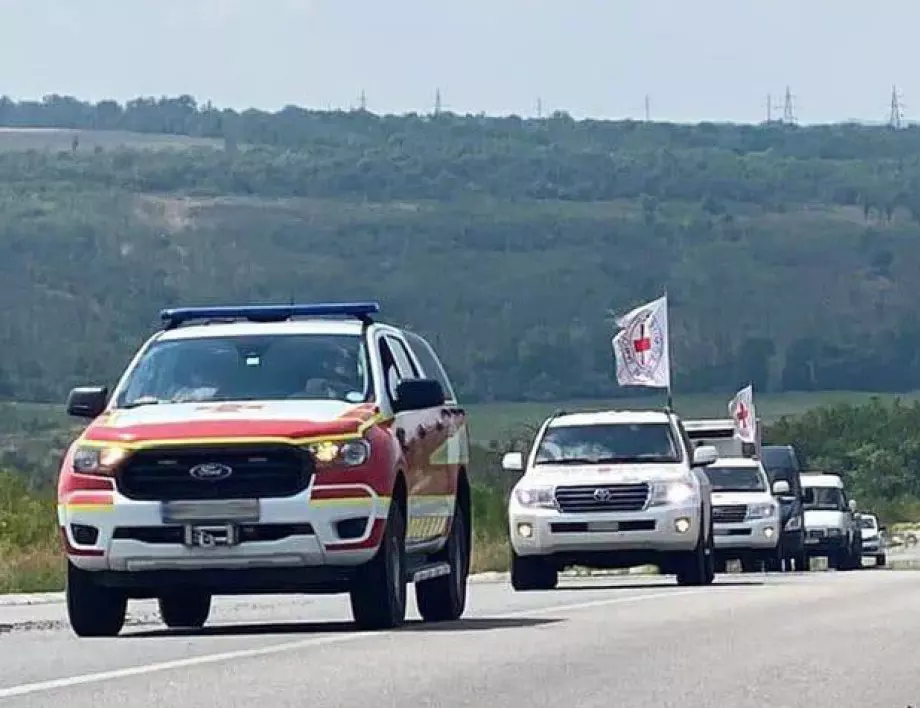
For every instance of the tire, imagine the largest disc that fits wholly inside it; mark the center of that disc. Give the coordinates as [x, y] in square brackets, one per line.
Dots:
[188, 609]
[699, 567]
[378, 591]
[881, 560]
[801, 562]
[93, 610]
[443, 599]
[532, 573]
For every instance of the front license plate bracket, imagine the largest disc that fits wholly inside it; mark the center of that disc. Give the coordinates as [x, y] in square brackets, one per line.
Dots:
[211, 536]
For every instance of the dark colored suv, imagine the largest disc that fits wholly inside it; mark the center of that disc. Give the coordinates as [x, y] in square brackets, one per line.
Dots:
[782, 463]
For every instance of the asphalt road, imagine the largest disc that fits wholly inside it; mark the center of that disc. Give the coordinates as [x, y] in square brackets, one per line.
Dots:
[818, 639]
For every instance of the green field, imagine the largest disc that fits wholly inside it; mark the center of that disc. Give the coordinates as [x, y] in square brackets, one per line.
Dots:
[496, 421]
[55, 139]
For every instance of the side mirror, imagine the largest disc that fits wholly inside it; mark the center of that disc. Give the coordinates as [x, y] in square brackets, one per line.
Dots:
[513, 462]
[883, 529]
[87, 401]
[781, 488]
[705, 455]
[853, 505]
[418, 394]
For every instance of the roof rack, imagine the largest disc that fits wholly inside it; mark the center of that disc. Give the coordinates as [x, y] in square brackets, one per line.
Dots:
[174, 317]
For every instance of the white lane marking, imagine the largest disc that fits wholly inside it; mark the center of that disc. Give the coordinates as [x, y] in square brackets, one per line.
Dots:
[42, 686]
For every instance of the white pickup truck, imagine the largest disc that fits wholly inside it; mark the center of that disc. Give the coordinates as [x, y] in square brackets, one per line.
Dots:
[611, 489]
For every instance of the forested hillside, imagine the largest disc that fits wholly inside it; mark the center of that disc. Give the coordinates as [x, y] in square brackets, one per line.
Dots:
[791, 255]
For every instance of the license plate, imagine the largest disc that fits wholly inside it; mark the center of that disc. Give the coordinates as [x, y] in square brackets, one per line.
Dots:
[210, 510]
[211, 536]
[604, 526]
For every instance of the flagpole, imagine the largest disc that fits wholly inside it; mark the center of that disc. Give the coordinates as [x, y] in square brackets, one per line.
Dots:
[667, 314]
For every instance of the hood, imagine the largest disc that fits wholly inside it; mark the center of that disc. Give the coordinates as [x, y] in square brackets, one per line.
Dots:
[605, 474]
[817, 518]
[724, 498]
[177, 421]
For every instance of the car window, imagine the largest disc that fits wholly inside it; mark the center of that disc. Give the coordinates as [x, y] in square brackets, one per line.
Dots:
[736, 479]
[425, 353]
[612, 443]
[824, 499]
[247, 368]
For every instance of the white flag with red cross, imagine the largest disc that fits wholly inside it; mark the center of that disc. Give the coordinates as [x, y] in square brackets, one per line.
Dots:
[641, 346]
[741, 409]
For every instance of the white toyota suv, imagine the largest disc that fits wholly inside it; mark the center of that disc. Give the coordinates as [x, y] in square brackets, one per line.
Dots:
[745, 514]
[611, 489]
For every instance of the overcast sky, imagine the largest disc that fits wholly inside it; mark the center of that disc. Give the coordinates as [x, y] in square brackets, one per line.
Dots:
[696, 59]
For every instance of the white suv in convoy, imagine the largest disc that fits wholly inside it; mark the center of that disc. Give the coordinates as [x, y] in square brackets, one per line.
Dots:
[831, 529]
[873, 544]
[611, 489]
[745, 513]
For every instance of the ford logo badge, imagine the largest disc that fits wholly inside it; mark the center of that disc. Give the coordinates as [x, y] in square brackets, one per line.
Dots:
[211, 471]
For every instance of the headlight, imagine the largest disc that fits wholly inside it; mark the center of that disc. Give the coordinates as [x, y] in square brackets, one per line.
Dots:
[671, 493]
[794, 523]
[350, 453]
[535, 497]
[761, 511]
[98, 460]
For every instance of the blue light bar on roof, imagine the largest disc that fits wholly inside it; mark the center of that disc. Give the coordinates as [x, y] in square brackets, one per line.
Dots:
[174, 317]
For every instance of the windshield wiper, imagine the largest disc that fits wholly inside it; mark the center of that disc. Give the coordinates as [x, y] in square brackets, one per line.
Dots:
[145, 401]
[568, 461]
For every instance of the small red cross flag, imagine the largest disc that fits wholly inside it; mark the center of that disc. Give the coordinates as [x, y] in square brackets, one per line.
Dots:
[741, 409]
[641, 346]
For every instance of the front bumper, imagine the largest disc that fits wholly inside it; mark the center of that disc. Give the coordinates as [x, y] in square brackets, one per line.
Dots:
[756, 534]
[339, 525]
[644, 532]
[819, 542]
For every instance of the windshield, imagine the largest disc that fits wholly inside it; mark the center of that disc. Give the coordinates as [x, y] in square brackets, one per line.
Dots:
[736, 479]
[266, 367]
[824, 498]
[619, 442]
[866, 522]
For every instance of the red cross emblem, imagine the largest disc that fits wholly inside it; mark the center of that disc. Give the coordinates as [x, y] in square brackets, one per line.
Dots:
[643, 343]
[742, 414]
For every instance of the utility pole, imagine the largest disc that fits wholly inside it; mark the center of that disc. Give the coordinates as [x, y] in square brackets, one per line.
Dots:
[539, 107]
[437, 102]
[648, 109]
[895, 118]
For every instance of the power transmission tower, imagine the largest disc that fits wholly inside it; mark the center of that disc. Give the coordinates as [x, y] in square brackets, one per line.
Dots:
[437, 102]
[895, 118]
[648, 109]
[362, 101]
[539, 107]
[788, 111]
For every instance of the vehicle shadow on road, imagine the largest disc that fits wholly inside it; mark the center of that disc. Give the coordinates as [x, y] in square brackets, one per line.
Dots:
[664, 585]
[269, 628]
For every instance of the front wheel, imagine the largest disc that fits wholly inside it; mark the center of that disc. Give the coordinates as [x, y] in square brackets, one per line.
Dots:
[699, 568]
[93, 610]
[185, 609]
[532, 573]
[801, 562]
[444, 598]
[881, 560]
[378, 591]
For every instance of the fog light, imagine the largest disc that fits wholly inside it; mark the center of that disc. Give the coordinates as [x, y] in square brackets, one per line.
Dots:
[525, 530]
[682, 524]
[768, 532]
